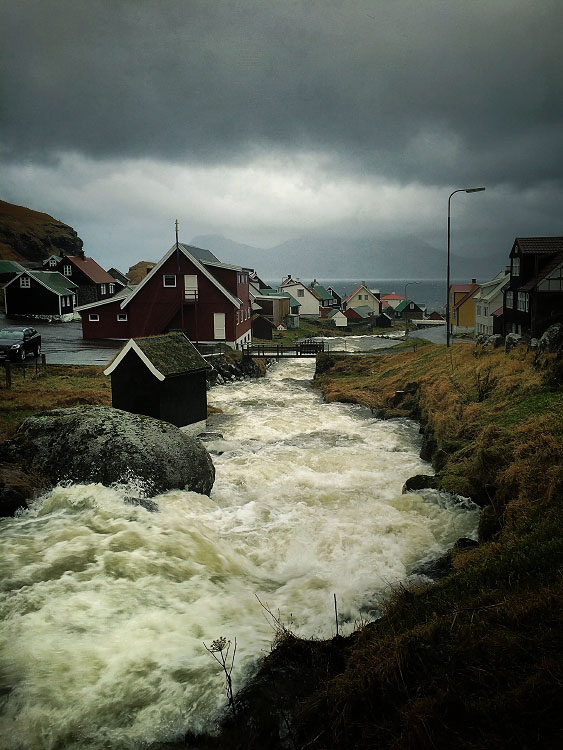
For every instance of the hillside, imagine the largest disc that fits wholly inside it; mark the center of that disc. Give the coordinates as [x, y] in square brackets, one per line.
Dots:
[330, 258]
[27, 235]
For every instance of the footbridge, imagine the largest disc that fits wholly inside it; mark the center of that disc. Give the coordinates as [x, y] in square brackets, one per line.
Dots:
[281, 351]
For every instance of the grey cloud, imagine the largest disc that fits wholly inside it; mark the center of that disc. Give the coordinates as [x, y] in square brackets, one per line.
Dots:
[406, 90]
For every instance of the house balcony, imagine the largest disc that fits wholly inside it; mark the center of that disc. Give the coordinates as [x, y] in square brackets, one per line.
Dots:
[190, 295]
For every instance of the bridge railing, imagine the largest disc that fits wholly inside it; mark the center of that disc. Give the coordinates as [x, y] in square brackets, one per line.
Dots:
[277, 351]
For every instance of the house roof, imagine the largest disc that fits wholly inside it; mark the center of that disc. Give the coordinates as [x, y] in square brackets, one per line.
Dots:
[490, 288]
[205, 256]
[119, 276]
[364, 311]
[10, 266]
[540, 244]
[497, 312]
[391, 296]
[201, 266]
[52, 280]
[166, 355]
[405, 303]
[321, 291]
[90, 268]
[463, 288]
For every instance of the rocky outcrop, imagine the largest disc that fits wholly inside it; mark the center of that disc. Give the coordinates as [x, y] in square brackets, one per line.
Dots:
[422, 482]
[224, 369]
[549, 356]
[27, 235]
[107, 445]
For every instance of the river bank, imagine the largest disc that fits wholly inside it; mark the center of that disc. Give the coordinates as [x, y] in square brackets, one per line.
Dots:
[474, 659]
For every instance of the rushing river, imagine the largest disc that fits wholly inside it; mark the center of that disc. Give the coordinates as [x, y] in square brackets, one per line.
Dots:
[105, 606]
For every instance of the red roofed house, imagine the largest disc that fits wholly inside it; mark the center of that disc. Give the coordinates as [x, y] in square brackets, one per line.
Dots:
[462, 307]
[188, 290]
[391, 300]
[533, 299]
[93, 282]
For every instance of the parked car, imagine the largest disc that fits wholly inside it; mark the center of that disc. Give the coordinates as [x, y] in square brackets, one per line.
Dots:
[17, 343]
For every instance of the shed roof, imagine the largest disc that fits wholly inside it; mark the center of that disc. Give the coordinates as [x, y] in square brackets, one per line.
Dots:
[405, 303]
[10, 266]
[90, 268]
[321, 291]
[166, 355]
[53, 280]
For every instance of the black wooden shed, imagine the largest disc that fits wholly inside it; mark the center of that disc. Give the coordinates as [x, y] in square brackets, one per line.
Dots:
[161, 376]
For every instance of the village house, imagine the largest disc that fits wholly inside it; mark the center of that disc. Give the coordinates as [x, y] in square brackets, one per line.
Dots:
[327, 301]
[363, 297]
[462, 307]
[533, 298]
[119, 277]
[488, 302]
[40, 293]
[337, 297]
[359, 314]
[94, 284]
[381, 321]
[162, 377]
[338, 318]
[308, 301]
[391, 300]
[408, 310]
[188, 290]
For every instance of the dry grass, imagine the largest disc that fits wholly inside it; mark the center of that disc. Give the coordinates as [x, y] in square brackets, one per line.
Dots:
[49, 388]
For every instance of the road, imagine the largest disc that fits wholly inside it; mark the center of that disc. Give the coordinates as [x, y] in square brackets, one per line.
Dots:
[62, 343]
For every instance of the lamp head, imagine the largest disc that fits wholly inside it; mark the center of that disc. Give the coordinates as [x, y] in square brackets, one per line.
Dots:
[474, 190]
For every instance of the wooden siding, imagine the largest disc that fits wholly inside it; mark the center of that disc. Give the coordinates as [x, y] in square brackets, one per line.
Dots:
[34, 300]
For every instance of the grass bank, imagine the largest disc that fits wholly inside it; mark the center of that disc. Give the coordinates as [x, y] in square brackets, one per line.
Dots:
[474, 660]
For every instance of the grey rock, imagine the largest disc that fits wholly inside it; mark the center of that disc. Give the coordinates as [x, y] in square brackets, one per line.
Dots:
[551, 340]
[512, 340]
[102, 444]
[421, 482]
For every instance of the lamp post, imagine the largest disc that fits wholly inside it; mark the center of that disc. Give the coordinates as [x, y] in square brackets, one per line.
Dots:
[461, 190]
[405, 311]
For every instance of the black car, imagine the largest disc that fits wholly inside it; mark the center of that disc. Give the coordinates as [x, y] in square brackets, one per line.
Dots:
[17, 343]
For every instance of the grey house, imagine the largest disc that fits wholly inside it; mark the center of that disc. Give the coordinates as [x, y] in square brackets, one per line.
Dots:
[162, 377]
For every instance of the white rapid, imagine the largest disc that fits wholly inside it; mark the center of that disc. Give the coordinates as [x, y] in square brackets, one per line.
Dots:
[105, 606]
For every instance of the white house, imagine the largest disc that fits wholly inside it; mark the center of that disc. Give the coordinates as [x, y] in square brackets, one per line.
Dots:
[309, 302]
[489, 299]
[338, 318]
[362, 297]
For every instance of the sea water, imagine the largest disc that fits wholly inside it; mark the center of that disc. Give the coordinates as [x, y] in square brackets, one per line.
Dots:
[105, 607]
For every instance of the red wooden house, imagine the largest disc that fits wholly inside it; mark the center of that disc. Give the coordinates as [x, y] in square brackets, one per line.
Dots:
[189, 290]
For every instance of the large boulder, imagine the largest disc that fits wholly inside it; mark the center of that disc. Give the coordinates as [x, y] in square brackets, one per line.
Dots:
[100, 444]
[551, 341]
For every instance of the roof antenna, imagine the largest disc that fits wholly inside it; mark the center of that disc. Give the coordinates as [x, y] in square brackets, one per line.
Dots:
[180, 286]
[177, 234]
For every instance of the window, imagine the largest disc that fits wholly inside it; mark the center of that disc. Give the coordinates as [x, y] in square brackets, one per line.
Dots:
[478, 309]
[169, 279]
[52, 263]
[190, 287]
[237, 318]
[103, 289]
[300, 292]
[523, 301]
[111, 288]
[411, 305]
[25, 282]
[93, 317]
[67, 270]
[516, 266]
[509, 300]
[121, 317]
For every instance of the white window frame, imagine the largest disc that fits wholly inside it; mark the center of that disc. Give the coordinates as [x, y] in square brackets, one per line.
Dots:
[111, 288]
[168, 276]
[121, 317]
[300, 292]
[25, 282]
[103, 289]
[509, 300]
[93, 318]
[515, 266]
[67, 270]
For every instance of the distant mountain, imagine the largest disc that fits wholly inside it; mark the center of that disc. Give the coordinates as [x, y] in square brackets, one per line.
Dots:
[27, 235]
[399, 258]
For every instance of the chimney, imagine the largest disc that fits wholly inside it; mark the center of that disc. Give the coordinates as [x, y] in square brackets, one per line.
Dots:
[473, 281]
[81, 254]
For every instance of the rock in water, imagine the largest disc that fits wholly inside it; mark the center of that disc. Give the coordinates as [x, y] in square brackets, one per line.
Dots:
[102, 444]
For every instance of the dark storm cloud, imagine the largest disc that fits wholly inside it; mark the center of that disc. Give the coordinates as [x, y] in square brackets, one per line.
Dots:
[407, 89]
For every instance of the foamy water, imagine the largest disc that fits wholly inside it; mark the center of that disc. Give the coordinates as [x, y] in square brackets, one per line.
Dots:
[105, 606]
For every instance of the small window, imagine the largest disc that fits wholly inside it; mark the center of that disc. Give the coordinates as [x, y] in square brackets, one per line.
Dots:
[122, 317]
[52, 263]
[67, 270]
[300, 292]
[509, 300]
[237, 318]
[93, 317]
[516, 266]
[169, 279]
[111, 288]
[25, 282]
[103, 289]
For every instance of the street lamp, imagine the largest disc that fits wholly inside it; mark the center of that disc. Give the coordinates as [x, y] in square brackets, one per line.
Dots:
[461, 190]
[405, 310]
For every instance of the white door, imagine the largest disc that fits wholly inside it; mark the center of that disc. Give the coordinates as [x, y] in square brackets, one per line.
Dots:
[219, 325]
[190, 287]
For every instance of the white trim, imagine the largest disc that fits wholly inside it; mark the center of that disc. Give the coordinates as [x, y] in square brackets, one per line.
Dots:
[121, 317]
[39, 281]
[131, 345]
[93, 318]
[109, 301]
[169, 276]
[198, 264]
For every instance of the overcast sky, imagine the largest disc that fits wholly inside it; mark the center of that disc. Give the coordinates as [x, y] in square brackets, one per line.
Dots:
[266, 121]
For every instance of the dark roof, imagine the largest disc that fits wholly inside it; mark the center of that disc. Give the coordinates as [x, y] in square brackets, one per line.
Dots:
[90, 268]
[166, 355]
[321, 291]
[10, 266]
[53, 280]
[550, 266]
[172, 353]
[119, 276]
[540, 244]
[405, 303]
[205, 256]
